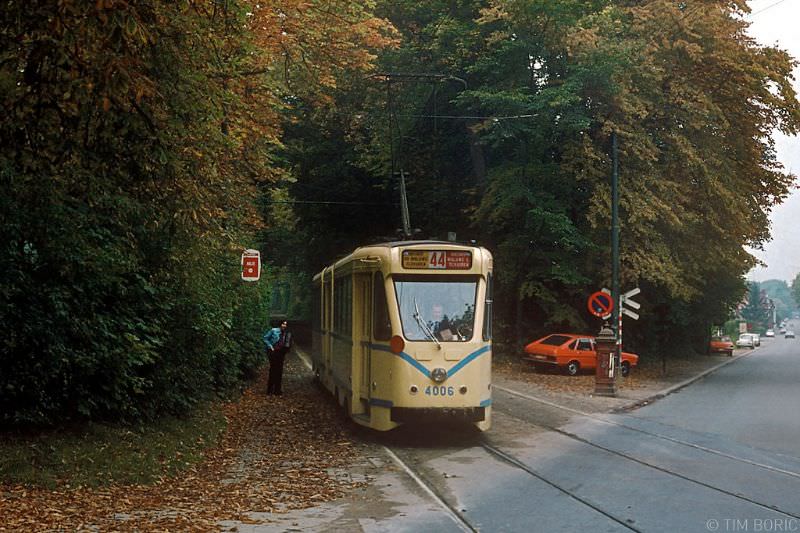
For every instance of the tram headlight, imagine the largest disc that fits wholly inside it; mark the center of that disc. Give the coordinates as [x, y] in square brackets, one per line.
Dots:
[414, 389]
[463, 389]
[438, 375]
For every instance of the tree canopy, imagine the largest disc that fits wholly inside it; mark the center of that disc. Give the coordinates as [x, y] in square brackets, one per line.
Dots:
[507, 140]
[147, 143]
[137, 139]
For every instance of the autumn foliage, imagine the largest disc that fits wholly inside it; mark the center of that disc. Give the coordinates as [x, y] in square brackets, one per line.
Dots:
[135, 138]
[518, 153]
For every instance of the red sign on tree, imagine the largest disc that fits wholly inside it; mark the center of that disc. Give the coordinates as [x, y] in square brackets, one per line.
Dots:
[251, 265]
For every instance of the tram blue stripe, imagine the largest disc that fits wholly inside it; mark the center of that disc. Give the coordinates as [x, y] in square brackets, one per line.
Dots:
[467, 360]
[486, 403]
[427, 373]
[377, 402]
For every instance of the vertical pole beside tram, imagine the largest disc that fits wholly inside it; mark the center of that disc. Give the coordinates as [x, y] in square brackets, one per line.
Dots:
[615, 292]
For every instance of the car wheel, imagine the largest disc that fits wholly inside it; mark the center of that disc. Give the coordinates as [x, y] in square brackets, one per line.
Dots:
[625, 369]
[573, 367]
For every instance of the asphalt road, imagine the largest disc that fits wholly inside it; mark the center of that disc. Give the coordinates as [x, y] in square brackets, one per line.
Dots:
[722, 454]
[755, 402]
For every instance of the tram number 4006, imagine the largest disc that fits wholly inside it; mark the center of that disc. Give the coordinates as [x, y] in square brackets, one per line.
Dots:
[441, 390]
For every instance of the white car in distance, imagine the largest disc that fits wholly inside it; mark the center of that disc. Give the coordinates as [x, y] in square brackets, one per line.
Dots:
[746, 340]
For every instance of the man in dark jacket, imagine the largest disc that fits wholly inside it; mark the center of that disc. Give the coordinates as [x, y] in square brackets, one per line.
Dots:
[279, 342]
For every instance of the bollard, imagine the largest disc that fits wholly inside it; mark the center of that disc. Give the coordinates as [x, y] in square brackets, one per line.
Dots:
[605, 372]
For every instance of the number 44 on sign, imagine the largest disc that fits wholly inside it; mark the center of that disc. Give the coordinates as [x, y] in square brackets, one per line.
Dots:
[625, 300]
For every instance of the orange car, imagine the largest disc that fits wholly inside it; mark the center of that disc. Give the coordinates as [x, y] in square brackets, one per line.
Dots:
[571, 352]
[721, 345]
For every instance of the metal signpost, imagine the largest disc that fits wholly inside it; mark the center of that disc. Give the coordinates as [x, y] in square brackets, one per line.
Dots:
[609, 345]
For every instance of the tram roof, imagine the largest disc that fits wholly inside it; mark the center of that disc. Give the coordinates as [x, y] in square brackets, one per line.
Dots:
[395, 244]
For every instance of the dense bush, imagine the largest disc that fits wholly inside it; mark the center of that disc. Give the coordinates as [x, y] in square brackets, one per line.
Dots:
[137, 138]
[119, 289]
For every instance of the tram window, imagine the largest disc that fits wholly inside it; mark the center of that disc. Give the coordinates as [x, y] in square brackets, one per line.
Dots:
[343, 305]
[440, 307]
[382, 326]
[487, 312]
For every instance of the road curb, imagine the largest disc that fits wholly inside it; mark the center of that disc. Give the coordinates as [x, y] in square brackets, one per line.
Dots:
[678, 386]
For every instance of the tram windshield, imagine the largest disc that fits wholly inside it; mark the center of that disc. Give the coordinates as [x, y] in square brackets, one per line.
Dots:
[437, 308]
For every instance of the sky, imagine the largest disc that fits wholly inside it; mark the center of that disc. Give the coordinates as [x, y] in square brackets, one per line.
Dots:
[776, 22]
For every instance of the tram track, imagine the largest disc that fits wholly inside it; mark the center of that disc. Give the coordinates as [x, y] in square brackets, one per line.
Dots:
[642, 462]
[661, 436]
[463, 523]
[420, 473]
[510, 459]
[416, 473]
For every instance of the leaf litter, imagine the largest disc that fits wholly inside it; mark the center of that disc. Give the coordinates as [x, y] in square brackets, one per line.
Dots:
[278, 453]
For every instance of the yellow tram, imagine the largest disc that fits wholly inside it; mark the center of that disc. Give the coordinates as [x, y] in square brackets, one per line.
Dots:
[402, 333]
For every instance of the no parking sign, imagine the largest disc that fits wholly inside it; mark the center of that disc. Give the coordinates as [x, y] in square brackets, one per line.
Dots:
[600, 304]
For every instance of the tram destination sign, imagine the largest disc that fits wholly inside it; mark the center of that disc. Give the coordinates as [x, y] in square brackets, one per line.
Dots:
[437, 260]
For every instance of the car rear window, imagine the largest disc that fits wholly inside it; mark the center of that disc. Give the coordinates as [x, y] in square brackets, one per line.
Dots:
[555, 340]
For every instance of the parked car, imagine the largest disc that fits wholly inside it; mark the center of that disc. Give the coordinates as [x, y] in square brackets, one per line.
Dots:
[769, 333]
[572, 352]
[756, 339]
[790, 334]
[782, 330]
[746, 340]
[721, 345]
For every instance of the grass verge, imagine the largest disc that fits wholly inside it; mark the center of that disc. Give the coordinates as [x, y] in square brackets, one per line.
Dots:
[97, 455]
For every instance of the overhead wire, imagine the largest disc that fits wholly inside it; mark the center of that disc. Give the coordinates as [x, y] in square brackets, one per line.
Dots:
[754, 13]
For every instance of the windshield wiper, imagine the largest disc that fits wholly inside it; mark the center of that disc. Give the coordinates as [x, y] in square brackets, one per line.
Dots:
[423, 326]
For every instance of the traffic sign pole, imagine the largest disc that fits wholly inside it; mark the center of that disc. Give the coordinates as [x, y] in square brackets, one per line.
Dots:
[617, 320]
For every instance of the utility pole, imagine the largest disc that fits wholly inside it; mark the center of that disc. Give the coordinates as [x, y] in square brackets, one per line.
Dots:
[616, 315]
[405, 77]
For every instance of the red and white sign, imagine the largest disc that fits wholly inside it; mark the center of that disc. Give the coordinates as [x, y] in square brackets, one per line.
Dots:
[600, 304]
[251, 265]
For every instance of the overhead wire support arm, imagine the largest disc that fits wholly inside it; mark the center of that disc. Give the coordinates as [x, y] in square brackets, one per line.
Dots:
[402, 76]
[397, 77]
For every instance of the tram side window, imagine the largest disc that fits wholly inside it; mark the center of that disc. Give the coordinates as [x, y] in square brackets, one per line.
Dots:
[381, 325]
[487, 312]
[343, 304]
